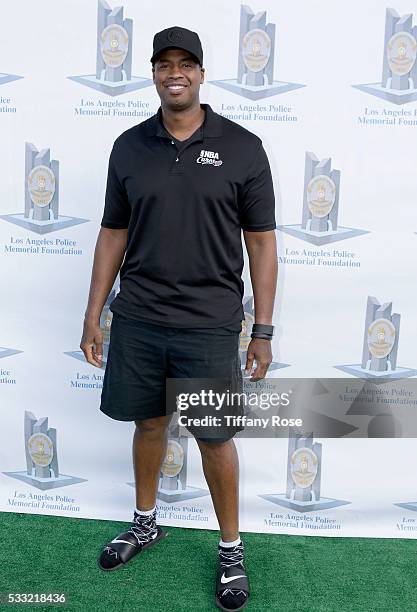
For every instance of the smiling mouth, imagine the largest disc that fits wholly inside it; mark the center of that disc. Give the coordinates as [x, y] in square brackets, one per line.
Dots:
[175, 88]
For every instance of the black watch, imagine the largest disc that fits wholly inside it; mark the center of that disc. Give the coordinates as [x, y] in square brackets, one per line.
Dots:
[265, 332]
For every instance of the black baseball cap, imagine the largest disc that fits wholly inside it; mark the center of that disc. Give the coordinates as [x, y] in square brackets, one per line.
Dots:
[177, 38]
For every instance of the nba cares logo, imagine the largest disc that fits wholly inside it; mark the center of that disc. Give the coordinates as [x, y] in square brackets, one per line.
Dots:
[209, 157]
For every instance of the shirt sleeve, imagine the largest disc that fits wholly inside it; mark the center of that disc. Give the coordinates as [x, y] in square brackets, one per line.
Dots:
[257, 206]
[116, 207]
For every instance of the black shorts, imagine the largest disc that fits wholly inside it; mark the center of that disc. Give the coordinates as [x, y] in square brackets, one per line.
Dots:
[142, 356]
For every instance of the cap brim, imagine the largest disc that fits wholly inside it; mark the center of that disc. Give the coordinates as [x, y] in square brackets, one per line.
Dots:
[155, 55]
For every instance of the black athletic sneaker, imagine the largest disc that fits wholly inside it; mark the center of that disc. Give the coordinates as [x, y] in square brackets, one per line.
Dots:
[143, 533]
[232, 585]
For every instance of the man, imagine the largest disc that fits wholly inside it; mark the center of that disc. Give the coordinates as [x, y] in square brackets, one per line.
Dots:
[181, 187]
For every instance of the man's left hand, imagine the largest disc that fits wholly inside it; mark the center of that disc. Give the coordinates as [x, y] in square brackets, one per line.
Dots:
[260, 350]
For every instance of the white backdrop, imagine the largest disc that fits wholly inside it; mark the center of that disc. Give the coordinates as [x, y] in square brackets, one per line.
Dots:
[320, 310]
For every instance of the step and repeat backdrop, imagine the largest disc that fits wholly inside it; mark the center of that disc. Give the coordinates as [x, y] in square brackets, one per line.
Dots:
[331, 88]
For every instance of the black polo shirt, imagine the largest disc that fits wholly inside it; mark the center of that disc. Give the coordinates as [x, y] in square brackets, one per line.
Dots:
[184, 209]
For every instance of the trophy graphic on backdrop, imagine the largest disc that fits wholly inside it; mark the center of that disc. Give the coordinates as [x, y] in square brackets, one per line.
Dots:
[407, 505]
[319, 223]
[173, 477]
[41, 214]
[245, 334]
[7, 352]
[114, 55]
[8, 78]
[303, 477]
[399, 69]
[106, 318]
[41, 456]
[380, 345]
[255, 68]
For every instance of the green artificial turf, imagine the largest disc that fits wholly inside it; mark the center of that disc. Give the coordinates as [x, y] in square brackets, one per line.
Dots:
[287, 573]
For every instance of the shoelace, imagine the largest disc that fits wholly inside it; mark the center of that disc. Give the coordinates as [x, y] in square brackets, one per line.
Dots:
[234, 556]
[143, 528]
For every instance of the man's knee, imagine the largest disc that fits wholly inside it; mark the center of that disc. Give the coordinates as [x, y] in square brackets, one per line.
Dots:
[153, 427]
[213, 444]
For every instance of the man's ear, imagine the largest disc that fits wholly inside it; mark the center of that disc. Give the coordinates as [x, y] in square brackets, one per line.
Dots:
[153, 73]
[202, 70]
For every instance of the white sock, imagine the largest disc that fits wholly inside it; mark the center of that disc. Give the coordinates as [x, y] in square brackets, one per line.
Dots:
[230, 544]
[145, 512]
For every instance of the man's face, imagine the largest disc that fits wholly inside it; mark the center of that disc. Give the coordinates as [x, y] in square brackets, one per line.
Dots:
[177, 77]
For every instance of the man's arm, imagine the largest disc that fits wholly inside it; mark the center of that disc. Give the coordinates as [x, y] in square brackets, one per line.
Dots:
[108, 257]
[263, 267]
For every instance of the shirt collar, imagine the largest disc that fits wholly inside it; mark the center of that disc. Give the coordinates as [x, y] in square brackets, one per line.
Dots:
[212, 125]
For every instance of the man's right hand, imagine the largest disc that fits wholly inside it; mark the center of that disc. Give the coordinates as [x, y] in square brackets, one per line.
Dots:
[92, 343]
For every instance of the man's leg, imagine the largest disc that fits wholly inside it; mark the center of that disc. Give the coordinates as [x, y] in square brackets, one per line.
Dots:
[134, 390]
[221, 470]
[198, 355]
[149, 447]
